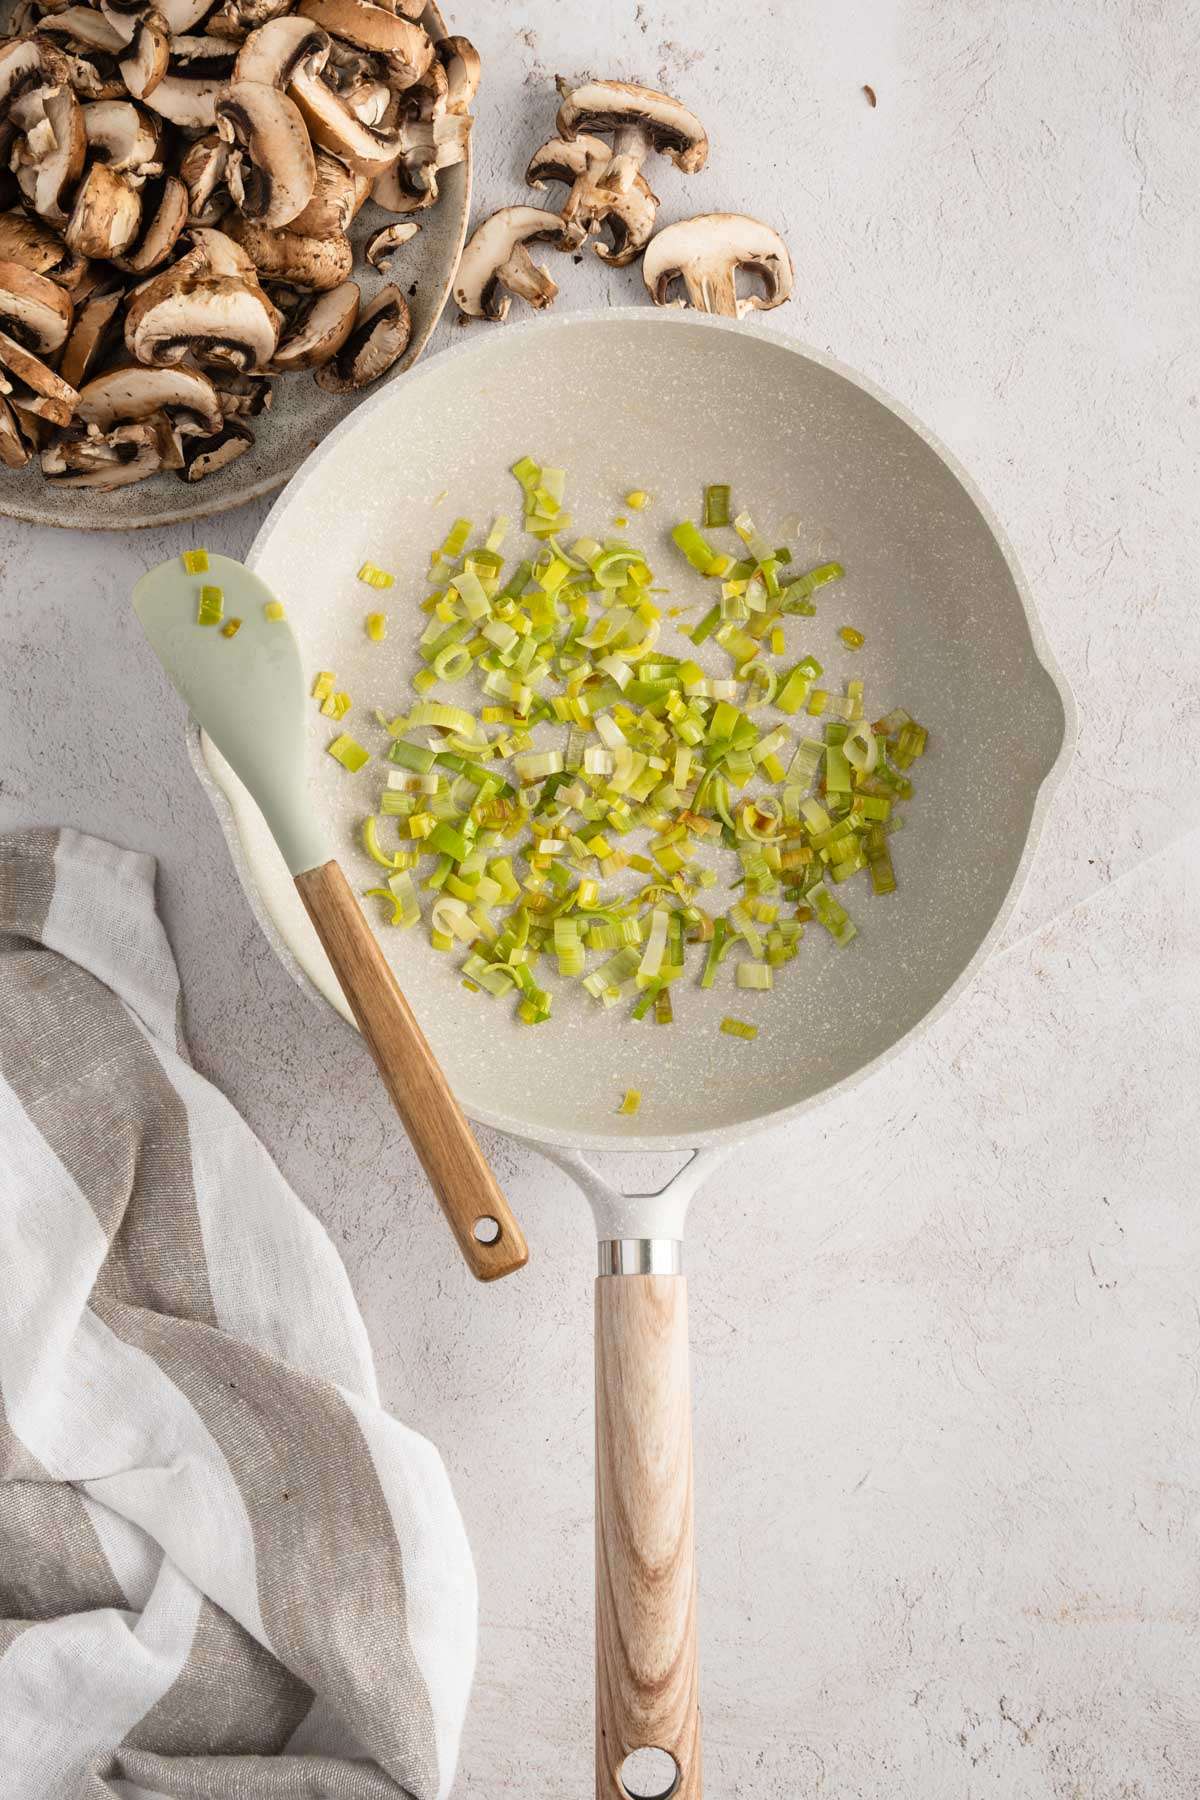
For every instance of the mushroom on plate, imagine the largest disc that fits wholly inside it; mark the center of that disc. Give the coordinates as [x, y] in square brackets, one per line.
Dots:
[217, 320]
[203, 456]
[33, 310]
[628, 213]
[271, 171]
[316, 328]
[292, 258]
[105, 217]
[130, 391]
[105, 461]
[496, 264]
[164, 216]
[639, 120]
[32, 383]
[706, 253]
[93, 330]
[388, 239]
[147, 56]
[378, 339]
[434, 124]
[405, 46]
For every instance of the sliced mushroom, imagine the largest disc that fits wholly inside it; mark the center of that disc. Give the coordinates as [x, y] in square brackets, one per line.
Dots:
[271, 172]
[639, 119]
[94, 76]
[204, 57]
[106, 215]
[203, 456]
[367, 149]
[496, 263]
[706, 253]
[275, 51]
[379, 338]
[127, 454]
[220, 255]
[405, 46]
[202, 172]
[182, 15]
[288, 256]
[119, 134]
[243, 396]
[238, 17]
[90, 336]
[87, 27]
[164, 216]
[387, 240]
[34, 311]
[317, 329]
[336, 200]
[27, 241]
[121, 18]
[192, 105]
[42, 390]
[15, 448]
[410, 184]
[460, 59]
[628, 215]
[216, 322]
[50, 160]
[131, 391]
[148, 57]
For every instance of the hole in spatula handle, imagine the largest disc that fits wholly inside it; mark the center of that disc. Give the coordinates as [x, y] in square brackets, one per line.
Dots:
[649, 1774]
[486, 1230]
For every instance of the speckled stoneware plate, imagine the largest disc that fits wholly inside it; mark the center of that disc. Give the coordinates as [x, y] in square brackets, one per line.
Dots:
[302, 415]
[669, 401]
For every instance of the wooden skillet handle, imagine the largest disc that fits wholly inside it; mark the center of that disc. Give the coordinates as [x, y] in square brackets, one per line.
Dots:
[647, 1678]
[440, 1135]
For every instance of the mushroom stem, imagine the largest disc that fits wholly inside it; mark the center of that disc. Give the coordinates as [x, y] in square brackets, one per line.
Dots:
[713, 290]
[632, 144]
[522, 277]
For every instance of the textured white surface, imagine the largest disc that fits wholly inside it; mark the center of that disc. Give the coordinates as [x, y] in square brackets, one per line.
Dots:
[947, 1342]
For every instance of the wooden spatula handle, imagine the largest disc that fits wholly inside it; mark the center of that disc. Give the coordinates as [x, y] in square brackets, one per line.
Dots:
[647, 1678]
[440, 1135]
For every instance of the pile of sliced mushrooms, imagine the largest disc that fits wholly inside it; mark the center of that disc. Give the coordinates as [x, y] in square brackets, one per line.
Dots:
[179, 178]
[606, 133]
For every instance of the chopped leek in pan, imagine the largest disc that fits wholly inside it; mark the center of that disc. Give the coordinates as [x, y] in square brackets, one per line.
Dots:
[568, 802]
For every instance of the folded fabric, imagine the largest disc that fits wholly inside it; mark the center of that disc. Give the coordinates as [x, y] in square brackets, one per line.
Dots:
[225, 1571]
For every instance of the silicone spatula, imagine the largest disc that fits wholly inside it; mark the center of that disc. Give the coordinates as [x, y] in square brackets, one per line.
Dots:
[249, 694]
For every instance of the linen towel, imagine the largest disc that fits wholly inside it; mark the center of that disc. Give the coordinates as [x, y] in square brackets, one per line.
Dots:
[225, 1571]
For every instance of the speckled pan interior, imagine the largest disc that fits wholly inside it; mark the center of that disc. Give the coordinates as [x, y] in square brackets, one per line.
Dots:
[669, 402]
[302, 415]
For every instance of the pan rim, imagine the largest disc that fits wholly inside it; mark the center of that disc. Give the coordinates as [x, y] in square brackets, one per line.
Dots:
[227, 804]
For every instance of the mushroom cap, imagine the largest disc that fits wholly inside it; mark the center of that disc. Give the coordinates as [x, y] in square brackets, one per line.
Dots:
[131, 391]
[318, 263]
[127, 454]
[89, 337]
[599, 106]
[205, 455]
[275, 50]
[120, 134]
[272, 173]
[187, 102]
[106, 215]
[148, 57]
[379, 338]
[34, 311]
[318, 329]
[214, 321]
[54, 398]
[476, 284]
[332, 126]
[407, 47]
[167, 205]
[26, 240]
[707, 251]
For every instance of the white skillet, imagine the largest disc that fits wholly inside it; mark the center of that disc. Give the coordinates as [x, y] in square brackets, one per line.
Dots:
[669, 402]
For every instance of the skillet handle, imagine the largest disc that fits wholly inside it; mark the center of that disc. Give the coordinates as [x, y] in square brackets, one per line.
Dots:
[647, 1678]
[465, 1187]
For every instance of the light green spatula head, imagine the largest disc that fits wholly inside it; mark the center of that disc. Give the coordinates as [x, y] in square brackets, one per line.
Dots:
[248, 691]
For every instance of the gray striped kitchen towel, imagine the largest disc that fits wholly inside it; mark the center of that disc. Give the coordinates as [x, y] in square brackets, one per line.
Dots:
[225, 1571]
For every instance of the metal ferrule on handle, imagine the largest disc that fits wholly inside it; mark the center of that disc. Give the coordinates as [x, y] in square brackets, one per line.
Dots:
[641, 1256]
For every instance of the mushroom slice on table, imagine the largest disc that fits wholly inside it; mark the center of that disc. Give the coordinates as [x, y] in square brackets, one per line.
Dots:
[131, 391]
[117, 459]
[628, 213]
[49, 160]
[90, 335]
[33, 310]
[316, 329]
[639, 120]
[106, 215]
[405, 46]
[202, 171]
[41, 390]
[203, 456]
[379, 338]
[387, 240]
[148, 56]
[496, 263]
[121, 136]
[164, 216]
[217, 321]
[290, 257]
[271, 172]
[706, 253]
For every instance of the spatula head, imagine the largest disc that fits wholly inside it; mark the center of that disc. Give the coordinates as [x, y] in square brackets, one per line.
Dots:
[247, 691]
